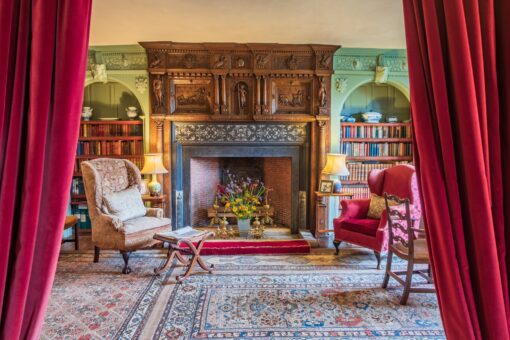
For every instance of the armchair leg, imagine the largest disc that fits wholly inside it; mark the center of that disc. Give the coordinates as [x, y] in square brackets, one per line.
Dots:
[378, 257]
[125, 256]
[336, 243]
[96, 254]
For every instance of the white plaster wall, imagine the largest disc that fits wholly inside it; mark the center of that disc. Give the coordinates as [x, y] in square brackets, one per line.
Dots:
[353, 23]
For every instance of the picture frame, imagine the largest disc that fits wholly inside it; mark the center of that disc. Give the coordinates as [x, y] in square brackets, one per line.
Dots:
[326, 186]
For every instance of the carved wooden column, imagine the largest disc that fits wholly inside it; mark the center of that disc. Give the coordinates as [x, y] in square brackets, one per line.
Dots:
[322, 146]
[257, 100]
[224, 106]
[265, 107]
[216, 108]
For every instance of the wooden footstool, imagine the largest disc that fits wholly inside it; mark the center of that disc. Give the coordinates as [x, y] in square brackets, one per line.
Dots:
[185, 236]
[72, 221]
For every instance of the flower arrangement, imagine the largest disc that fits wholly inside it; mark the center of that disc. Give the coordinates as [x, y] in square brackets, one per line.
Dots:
[241, 195]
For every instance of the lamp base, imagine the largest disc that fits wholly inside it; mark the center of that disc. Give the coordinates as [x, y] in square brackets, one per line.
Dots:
[337, 186]
[154, 187]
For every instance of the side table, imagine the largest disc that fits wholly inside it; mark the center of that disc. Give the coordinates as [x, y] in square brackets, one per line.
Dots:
[321, 206]
[155, 201]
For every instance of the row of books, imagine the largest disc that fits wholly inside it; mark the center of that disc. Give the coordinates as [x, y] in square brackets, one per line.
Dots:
[82, 213]
[362, 149]
[77, 187]
[359, 171]
[121, 147]
[360, 191]
[109, 130]
[138, 161]
[403, 131]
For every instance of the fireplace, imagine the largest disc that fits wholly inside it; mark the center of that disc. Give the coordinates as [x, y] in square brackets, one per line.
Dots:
[212, 103]
[275, 153]
[207, 172]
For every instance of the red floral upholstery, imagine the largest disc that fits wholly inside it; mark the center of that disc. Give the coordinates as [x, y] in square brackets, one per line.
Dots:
[354, 227]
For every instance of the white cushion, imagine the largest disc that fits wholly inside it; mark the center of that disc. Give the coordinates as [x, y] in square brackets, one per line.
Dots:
[144, 223]
[125, 204]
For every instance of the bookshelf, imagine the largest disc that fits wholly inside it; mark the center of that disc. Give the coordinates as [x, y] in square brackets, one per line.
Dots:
[103, 138]
[370, 146]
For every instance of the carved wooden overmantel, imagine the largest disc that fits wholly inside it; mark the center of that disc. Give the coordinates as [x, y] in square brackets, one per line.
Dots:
[228, 82]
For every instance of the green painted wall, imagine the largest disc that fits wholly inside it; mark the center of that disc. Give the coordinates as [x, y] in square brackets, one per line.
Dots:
[354, 91]
[126, 83]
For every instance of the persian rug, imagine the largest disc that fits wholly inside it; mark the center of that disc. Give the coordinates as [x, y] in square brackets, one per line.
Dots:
[258, 297]
[254, 247]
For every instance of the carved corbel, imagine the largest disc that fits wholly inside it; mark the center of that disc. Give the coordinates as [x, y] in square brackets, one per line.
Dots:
[159, 122]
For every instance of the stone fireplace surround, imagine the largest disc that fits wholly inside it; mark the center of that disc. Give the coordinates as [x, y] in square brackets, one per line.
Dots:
[191, 141]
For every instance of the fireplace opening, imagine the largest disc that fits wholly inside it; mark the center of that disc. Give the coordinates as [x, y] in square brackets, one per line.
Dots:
[207, 172]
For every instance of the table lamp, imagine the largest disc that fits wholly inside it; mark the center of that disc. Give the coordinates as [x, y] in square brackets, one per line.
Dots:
[153, 165]
[335, 166]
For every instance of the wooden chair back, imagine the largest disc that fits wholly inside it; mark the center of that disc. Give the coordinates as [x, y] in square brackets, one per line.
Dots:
[400, 226]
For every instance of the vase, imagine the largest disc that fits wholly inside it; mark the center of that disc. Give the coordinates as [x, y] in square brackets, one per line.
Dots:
[131, 112]
[243, 225]
[86, 113]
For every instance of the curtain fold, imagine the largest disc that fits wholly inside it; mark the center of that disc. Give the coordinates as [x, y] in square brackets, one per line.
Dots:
[42, 73]
[458, 54]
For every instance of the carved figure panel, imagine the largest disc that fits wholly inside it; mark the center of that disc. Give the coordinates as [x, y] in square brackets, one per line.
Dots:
[220, 62]
[158, 96]
[262, 61]
[324, 61]
[293, 62]
[241, 95]
[291, 96]
[322, 95]
[241, 61]
[156, 60]
[191, 96]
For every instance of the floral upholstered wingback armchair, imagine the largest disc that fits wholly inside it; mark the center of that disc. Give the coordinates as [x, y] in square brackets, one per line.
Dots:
[120, 220]
[355, 226]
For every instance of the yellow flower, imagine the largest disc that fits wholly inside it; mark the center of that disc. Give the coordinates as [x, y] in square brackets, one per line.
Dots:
[227, 205]
[234, 209]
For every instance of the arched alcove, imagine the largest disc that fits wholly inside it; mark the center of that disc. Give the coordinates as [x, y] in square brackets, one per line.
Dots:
[384, 98]
[110, 100]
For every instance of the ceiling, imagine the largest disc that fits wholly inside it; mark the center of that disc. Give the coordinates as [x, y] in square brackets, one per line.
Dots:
[350, 23]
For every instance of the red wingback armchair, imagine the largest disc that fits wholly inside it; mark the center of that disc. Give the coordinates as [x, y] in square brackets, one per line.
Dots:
[353, 225]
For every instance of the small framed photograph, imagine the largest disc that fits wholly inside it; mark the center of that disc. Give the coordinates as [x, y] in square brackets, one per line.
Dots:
[326, 186]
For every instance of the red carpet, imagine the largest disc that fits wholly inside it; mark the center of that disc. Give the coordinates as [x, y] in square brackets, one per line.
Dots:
[268, 247]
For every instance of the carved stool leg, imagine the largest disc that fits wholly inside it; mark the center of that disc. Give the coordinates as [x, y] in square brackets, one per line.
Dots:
[195, 257]
[181, 258]
[125, 256]
[96, 254]
[169, 257]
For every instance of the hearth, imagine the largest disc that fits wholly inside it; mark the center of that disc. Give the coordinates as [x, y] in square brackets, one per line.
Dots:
[275, 153]
[207, 172]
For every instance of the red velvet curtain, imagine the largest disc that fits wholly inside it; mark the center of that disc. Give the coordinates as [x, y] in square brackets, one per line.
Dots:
[43, 53]
[459, 70]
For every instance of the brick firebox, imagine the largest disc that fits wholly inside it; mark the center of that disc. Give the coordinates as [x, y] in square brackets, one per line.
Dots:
[207, 172]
